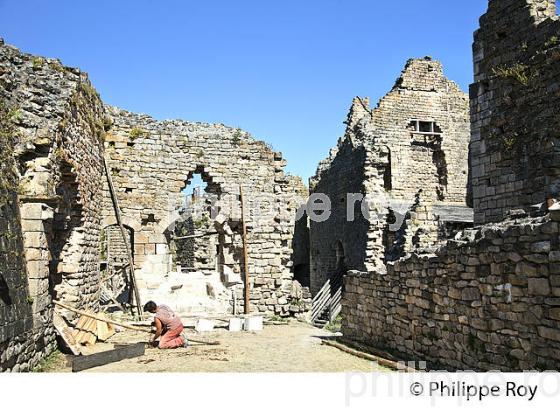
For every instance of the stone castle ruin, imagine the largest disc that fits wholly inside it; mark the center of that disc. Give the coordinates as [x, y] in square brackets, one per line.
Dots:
[488, 299]
[151, 162]
[60, 237]
[408, 158]
[440, 242]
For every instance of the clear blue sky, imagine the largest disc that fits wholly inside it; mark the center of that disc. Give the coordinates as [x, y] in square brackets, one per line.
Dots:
[286, 71]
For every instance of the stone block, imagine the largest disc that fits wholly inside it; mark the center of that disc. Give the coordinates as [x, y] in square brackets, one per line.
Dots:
[549, 333]
[162, 249]
[541, 247]
[470, 294]
[539, 286]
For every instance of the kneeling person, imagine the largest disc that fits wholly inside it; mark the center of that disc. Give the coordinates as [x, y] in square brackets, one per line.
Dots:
[168, 326]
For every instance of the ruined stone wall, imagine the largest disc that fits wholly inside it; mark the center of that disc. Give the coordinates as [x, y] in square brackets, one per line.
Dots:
[17, 340]
[435, 162]
[335, 243]
[152, 161]
[58, 128]
[515, 149]
[414, 142]
[489, 302]
[298, 225]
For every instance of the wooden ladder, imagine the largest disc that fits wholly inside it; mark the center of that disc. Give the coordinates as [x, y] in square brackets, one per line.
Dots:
[134, 286]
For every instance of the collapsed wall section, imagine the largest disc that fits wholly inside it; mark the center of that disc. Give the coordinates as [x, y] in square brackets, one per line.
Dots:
[151, 162]
[413, 146]
[335, 243]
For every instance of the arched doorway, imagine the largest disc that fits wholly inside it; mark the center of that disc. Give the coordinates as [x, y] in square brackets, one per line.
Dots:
[340, 258]
[193, 239]
[204, 248]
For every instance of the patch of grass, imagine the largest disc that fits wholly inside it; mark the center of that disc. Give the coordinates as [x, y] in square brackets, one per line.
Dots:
[14, 115]
[334, 325]
[236, 140]
[88, 90]
[56, 66]
[200, 223]
[518, 72]
[59, 153]
[37, 63]
[107, 123]
[508, 142]
[63, 125]
[136, 133]
[551, 42]
[8, 133]
[48, 363]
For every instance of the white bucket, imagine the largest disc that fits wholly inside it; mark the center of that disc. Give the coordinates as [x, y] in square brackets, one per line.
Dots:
[204, 325]
[235, 324]
[253, 323]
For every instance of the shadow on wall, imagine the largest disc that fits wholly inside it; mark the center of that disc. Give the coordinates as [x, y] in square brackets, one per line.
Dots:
[300, 250]
[67, 219]
[5, 291]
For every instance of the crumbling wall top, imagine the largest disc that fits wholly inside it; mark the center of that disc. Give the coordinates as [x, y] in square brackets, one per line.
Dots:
[535, 11]
[424, 74]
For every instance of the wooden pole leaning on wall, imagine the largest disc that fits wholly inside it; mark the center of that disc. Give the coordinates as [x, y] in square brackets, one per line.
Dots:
[134, 286]
[247, 292]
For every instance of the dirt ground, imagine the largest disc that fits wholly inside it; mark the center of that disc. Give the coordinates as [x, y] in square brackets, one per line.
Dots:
[278, 348]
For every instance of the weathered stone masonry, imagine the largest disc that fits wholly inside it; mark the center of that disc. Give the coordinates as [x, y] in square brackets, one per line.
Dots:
[57, 121]
[151, 163]
[488, 302]
[515, 147]
[406, 155]
[15, 310]
[56, 219]
[491, 299]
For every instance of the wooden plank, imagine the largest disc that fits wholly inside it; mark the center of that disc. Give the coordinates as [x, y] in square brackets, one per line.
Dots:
[79, 326]
[117, 209]
[80, 363]
[383, 362]
[65, 334]
[124, 325]
[247, 292]
[104, 330]
[98, 317]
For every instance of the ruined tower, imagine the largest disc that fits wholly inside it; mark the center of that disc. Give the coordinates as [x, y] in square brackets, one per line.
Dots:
[408, 158]
[515, 100]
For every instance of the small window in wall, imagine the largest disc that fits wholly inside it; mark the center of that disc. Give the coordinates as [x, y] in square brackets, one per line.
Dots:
[128, 190]
[425, 133]
[151, 218]
[425, 127]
